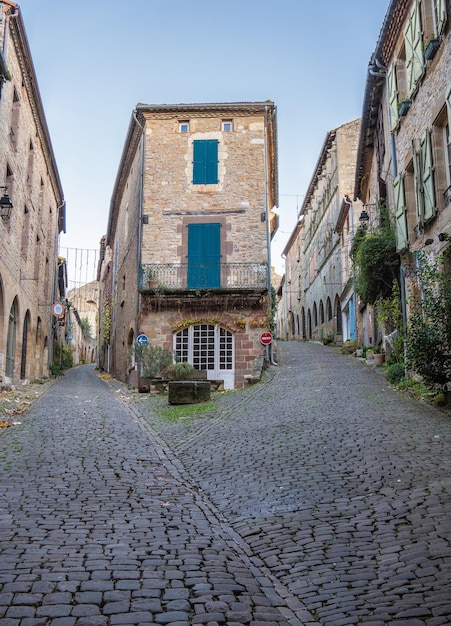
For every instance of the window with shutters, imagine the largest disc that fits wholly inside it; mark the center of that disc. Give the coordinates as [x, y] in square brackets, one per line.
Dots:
[400, 214]
[427, 176]
[440, 139]
[434, 16]
[413, 39]
[205, 162]
[393, 95]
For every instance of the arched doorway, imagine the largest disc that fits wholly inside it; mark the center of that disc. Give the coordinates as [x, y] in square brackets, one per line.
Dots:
[23, 356]
[11, 339]
[208, 347]
[338, 316]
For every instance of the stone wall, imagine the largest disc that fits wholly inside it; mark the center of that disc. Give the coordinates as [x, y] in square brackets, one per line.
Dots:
[29, 239]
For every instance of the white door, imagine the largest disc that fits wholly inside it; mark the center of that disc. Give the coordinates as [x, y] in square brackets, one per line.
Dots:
[208, 347]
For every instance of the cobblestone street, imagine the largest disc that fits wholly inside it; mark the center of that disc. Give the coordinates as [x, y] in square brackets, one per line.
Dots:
[320, 496]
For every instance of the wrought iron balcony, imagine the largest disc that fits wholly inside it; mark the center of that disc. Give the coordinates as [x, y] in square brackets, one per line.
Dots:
[177, 277]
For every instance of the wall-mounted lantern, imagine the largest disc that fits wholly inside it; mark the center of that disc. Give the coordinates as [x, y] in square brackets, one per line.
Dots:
[5, 204]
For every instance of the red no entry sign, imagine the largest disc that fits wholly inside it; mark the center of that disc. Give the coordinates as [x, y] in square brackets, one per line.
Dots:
[266, 339]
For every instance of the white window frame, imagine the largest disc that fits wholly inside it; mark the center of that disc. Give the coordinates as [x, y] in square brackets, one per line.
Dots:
[227, 126]
[184, 126]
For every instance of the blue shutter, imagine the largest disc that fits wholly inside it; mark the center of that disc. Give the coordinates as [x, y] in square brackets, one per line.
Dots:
[204, 256]
[205, 162]
[211, 162]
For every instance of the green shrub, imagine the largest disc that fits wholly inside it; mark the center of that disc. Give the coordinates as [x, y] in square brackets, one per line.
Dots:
[151, 359]
[429, 330]
[179, 370]
[395, 373]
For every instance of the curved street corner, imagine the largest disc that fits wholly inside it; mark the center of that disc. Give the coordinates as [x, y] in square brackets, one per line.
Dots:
[319, 496]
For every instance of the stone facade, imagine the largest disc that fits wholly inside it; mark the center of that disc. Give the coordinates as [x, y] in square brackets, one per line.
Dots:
[189, 256]
[31, 275]
[317, 297]
[84, 305]
[404, 157]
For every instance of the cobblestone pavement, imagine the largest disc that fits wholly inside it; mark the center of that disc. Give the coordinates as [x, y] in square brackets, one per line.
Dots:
[97, 526]
[339, 485]
[318, 497]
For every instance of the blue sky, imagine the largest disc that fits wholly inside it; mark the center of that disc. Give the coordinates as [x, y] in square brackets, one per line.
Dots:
[96, 60]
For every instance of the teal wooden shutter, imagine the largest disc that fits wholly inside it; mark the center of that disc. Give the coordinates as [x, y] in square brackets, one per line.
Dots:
[393, 96]
[211, 162]
[204, 256]
[413, 37]
[400, 213]
[427, 174]
[205, 162]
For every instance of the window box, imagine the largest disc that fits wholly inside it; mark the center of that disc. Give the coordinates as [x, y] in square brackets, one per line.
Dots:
[431, 49]
[403, 107]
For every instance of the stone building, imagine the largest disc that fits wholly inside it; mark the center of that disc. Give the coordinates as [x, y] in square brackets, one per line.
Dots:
[82, 322]
[318, 294]
[291, 290]
[186, 259]
[32, 278]
[404, 155]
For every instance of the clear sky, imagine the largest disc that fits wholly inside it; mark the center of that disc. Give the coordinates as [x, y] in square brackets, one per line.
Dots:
[95, 60]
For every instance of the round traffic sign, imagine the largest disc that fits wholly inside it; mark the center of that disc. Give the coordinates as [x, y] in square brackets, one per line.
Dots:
[58, 309]
[142, 340]
[266, 339]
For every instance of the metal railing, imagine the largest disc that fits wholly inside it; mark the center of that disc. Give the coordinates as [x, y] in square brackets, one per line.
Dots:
[186, 276]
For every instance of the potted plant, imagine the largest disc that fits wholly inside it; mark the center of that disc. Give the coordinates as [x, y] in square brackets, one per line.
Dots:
[152, 278]
[431, 45]
[379, 355]
[403, 107]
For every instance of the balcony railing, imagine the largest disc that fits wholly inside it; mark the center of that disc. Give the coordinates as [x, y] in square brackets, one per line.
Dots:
[196, 276]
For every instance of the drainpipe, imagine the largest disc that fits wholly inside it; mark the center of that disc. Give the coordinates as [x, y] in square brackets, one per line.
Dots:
[140, 222]
[269, 349]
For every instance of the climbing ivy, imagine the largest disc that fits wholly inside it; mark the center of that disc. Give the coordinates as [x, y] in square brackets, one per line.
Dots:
[376, 262]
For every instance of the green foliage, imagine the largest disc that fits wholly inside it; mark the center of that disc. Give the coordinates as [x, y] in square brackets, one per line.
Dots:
[179, 370]
[86, 326]
[395, 373]
[420, 391]
[389, 314]
[64, 359]
[349, 346]
[429, 330]
[107, 320]
[375, 260]
[151, 359]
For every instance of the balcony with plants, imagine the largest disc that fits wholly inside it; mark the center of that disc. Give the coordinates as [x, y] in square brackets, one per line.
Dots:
[188, 280]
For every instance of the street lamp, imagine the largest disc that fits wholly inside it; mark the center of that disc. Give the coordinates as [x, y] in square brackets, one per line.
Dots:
[5, 204]
[364, 217]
